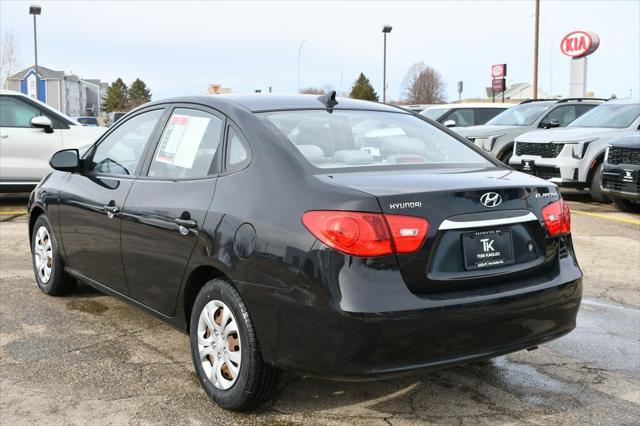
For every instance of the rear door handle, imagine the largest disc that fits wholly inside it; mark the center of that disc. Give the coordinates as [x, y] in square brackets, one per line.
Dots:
[111, 211]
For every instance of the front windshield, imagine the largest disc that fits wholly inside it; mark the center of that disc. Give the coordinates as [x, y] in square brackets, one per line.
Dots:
[348, 139]
[434, 113]
[520, 115]
[616, 116]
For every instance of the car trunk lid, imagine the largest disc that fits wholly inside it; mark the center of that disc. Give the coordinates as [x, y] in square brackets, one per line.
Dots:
[464, 234]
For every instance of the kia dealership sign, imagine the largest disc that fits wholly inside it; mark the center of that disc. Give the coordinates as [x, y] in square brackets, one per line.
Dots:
[579, 44]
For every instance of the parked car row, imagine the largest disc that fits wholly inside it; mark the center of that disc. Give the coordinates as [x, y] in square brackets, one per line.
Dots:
[565, 142]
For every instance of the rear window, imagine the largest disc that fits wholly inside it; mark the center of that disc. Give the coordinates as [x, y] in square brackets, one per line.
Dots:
[344, 139]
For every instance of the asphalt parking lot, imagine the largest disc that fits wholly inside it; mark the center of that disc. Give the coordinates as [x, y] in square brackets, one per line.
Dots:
[92, 359]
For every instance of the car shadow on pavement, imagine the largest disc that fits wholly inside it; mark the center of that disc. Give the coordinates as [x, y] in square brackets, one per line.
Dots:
[412, 395]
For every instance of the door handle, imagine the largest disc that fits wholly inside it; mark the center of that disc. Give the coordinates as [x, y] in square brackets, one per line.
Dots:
[111, 211]
[4, 136]
[187, 223]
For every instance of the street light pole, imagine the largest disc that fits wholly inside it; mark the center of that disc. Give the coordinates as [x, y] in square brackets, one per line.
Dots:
[300, 53]
[385, 30]
[535, 51]
[35, 10]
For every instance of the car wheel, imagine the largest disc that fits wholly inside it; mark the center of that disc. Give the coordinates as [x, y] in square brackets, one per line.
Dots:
[507, 157]
[225, 350]
[630, 206]
[595, 189]
[48, 265]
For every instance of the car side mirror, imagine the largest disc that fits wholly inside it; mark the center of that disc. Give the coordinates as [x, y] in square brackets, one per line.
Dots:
[450, 123]
[67, 160]
[551, 124]
[42, 122]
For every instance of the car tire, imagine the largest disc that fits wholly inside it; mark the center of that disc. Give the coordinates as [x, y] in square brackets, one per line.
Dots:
[48, 265]
[506, 157]
[629, 206]
[595, 189]
[248, 382]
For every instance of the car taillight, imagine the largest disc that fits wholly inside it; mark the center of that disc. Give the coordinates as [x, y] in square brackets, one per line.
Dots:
[408, 232]
[557, 217]
[367, 234]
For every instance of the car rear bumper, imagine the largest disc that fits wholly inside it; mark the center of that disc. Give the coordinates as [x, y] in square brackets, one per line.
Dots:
[351, 344]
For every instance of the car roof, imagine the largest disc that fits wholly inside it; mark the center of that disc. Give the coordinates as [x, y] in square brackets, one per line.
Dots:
[624, 101]
[471, 105]
[272, 102]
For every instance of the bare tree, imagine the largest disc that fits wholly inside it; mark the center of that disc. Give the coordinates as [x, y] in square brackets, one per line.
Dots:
[8, 57]
[423, 85]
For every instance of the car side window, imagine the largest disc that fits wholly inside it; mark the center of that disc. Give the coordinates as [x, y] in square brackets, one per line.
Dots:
[16, 113]
[187, 146]
[564, 115]
[121, 151]
[238, 153]
[463, 117]
[485, 114]
[584, 108]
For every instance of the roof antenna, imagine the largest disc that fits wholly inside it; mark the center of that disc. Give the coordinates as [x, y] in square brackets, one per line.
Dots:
[329, 100]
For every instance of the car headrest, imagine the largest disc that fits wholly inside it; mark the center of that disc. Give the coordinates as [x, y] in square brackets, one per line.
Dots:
[313, 153]
[352, 156]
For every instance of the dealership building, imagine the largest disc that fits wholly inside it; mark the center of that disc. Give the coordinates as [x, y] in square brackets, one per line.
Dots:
[68, 93]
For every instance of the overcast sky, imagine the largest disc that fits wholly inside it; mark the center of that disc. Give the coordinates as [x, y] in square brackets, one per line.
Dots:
[179, 47]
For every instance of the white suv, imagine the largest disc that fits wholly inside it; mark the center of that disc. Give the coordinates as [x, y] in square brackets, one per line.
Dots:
[30, 133]
[573, 156]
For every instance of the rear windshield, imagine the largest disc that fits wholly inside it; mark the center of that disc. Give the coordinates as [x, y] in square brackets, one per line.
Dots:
[344, 139]
[520, 115]
[617, 116]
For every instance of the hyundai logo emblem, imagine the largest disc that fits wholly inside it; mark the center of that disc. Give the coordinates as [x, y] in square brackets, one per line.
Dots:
[491, 199]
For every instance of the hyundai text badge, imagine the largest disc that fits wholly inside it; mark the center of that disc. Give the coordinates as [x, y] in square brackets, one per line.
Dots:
[491, 199]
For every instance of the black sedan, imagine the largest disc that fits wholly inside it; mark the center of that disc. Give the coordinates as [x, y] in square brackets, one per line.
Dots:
[332, 237]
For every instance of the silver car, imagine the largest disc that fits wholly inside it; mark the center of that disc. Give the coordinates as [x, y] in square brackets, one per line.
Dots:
[573, 156]
[498, 135]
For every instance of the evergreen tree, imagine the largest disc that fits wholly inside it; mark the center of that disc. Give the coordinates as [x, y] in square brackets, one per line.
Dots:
[117, 97]
[139, 93]
[362, 89]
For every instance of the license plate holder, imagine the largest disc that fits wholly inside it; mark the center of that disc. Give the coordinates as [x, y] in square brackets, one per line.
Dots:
[528, 166]
[629, 176]
[487, 249]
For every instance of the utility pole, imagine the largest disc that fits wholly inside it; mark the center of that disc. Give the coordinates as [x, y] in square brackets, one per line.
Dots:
[535, 51]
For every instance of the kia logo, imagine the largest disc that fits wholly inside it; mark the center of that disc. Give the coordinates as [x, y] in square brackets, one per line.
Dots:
[491, 199]
[579, 43]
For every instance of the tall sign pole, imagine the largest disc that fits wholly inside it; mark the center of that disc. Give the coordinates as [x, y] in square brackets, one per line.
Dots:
[535, 51]
[578, 45]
